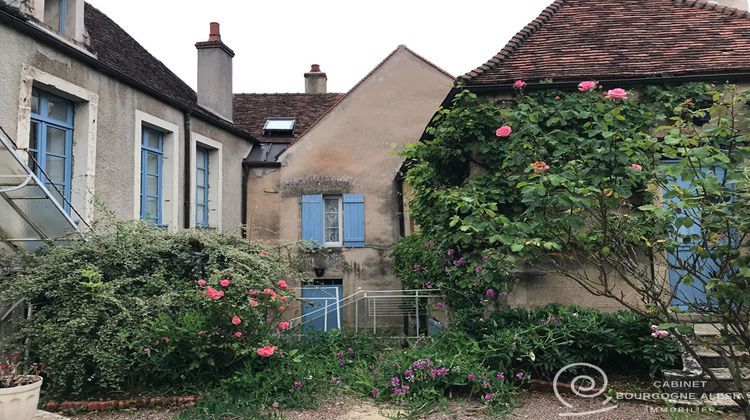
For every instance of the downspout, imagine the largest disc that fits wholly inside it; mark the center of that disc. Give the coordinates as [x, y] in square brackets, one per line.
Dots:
[243, 200]
[186, 181]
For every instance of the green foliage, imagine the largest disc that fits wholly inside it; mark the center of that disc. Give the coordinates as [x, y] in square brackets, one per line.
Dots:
[544, 340]
[122, 311]
[602, 165]
[363, 366]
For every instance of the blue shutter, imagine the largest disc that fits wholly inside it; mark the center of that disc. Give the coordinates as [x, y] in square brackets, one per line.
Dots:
[354, 220]
[312, 218]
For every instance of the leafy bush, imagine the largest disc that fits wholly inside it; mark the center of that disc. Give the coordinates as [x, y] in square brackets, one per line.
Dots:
[123, 311]
[418, 377]
[545, 340]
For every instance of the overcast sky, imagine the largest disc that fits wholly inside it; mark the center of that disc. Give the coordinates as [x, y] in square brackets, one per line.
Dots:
[277, 40]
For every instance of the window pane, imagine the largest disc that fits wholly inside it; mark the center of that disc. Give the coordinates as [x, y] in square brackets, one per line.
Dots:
[57, 108]
[152, 185]
[55, 141]
[332, 220]
[153, 139]
[200, 158]
[33, 135]
[151, 208]
[200, 195]
[56, 195]
[55, 169]
[35, 102]
[152, 163]
[200, 214]
[200, 178]
[332, 235]
[282, 124]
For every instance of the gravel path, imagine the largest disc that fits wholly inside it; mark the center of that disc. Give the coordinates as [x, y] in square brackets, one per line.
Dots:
[535, 406]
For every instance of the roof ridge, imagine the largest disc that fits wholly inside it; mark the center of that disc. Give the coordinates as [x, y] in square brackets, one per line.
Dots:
[521, 36]
[285, 93]
[715, 7]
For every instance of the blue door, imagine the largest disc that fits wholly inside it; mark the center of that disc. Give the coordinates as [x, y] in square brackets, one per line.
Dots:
[321, 307]
[690, 290]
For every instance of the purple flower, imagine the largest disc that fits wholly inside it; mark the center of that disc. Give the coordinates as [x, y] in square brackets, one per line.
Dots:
[438, 372]
[483, 301]
[440, 305]
[417, 267]
[459, 262]
[478, 269]
[408, 373]
[395, 381]
[503, 294]
[350, 351]
[487, 396]
[451, 252]
[428, 285]
[490, 293]
[405, 389]
[421, 364]
[340, 354]
[396, 391]
[519, 375]
[500, 376]
[471, 377]
[297, 384]
[486, 257]
[374, 393]
[447, 270]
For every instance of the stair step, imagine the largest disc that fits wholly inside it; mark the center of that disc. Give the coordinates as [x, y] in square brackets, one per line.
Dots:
[706, 330]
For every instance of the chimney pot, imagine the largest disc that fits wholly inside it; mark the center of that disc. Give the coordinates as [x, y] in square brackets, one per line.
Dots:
[215, 34]
[315, 68]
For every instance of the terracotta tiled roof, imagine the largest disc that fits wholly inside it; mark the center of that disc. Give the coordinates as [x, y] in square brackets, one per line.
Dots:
[251, 110]
[118, 50]
[606, 39]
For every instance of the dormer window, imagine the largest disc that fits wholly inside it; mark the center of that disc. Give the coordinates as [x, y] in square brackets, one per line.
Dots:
[55, 14]
[279, 126]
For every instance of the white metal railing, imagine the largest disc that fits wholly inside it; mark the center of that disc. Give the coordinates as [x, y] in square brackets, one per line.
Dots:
[379, 307]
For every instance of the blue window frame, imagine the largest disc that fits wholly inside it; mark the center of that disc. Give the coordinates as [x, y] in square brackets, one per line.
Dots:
[152, 162]
[202, 186]
[63, 14]
[51, 143]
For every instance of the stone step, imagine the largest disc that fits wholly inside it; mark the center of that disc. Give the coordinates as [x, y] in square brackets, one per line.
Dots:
[714, 360]
[682, 381]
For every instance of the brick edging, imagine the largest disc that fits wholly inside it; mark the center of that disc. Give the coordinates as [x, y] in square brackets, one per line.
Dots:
[110, 405]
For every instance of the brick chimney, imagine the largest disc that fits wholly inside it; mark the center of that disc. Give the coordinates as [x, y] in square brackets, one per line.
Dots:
[315, 80]
[737, 4]
[215, 74]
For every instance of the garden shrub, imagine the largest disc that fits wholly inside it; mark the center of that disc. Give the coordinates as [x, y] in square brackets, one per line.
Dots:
[417, 377]
[137, 309]
[544, 340]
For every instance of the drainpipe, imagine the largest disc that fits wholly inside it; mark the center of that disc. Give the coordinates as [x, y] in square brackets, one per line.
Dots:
[243, 210]
[188, 151]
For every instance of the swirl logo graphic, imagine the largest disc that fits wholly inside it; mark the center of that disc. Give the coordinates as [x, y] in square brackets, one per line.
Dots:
[583, 386]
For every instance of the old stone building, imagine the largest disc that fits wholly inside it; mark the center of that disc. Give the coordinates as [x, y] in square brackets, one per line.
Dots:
[327, 170]
[96, 116]
[623, 44]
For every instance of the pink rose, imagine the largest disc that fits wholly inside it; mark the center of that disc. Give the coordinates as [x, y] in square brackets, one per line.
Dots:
[539, 166]
[252, 292]
[617, 94]
[504, 131]
[254, 303]
[267, 351]
[283, 325]
[587, 85]
[284, 298]
[225, 283]
[282, 284]
[201, 282]
[236, 320]
[263, 252]
[636, 166]
[282, 308]
[238, 334]
[213, 294]
[519, 84]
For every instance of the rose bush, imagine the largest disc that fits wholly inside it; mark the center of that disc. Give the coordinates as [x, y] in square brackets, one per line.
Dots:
[138, 309]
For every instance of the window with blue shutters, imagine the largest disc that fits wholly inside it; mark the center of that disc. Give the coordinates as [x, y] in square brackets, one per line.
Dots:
[334, 220]
[51, 143]
[201, 186]
[152, 162]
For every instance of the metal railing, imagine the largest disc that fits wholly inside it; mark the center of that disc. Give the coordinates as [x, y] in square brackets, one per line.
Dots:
[372, 309]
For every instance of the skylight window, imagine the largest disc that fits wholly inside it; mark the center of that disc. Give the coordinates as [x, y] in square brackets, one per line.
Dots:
[283, 126]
